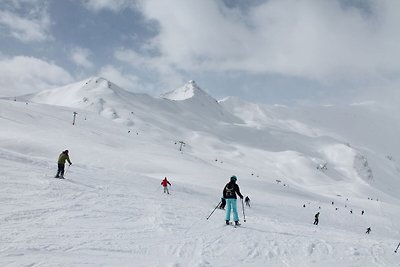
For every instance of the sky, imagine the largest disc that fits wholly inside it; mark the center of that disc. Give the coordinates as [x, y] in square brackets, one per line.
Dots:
[269, 51]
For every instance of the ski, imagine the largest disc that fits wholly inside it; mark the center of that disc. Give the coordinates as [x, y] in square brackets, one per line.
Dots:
[233, 225]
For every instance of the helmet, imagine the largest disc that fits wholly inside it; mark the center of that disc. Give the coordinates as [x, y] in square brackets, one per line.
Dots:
[233, 178]
[66, 151]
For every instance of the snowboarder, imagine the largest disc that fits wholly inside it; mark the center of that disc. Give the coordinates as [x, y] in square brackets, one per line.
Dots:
[368, 230]
[316, 218]
[61, 164]
[165, 184]
[229, 193]
[247, 201]
[223, 203]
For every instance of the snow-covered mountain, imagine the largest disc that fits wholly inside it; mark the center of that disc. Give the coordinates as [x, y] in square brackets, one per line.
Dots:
[188, 91]
[111, 210]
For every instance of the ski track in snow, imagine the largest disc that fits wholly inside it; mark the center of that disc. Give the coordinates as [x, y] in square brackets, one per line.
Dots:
[127, 220]
[123, 219]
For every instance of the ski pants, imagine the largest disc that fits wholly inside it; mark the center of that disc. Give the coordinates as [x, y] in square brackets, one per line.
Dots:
[166, 189]
[231, 203]
[60, 170]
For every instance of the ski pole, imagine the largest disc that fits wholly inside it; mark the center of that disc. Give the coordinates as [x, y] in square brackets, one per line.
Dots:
[213, 210]
[67, 170]
[397, 248]
[244, 216]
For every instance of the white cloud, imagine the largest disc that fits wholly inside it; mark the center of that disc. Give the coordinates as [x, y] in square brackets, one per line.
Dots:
[166, 74]
[21, 75]
[28, 24]
[80, 56]
[114, 5]
[125, 81]
[322, 40]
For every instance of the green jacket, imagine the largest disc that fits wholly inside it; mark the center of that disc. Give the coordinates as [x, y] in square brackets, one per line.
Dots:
[63, 157]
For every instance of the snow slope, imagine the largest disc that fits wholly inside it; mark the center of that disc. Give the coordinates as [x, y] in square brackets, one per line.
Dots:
[110, 211]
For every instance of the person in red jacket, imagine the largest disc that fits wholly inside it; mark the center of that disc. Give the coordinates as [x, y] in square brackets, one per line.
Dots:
[165, 184]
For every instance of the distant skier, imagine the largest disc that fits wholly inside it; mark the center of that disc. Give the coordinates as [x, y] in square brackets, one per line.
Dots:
[223, 203]
[247, 201]
[165, 184]
[61, 164]
[368, 230]
[316, 221]
[229, 193]
[362, 212]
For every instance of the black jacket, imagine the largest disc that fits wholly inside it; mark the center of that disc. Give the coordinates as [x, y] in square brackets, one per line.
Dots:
[230, 190]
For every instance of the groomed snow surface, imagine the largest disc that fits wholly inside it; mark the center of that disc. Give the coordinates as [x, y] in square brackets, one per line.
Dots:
[111, 210]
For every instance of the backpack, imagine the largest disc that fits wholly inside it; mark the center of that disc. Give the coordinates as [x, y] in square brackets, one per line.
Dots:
[229, 191]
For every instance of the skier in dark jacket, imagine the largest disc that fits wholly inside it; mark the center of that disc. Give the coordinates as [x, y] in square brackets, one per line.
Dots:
[316, 221]
[368, 230]
[61, 164]
[247, 201]
[229, 193]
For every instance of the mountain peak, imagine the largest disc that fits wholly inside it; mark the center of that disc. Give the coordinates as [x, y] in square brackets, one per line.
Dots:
[189, 90]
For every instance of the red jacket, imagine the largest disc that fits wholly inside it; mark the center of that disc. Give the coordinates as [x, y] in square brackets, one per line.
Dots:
[165, 182]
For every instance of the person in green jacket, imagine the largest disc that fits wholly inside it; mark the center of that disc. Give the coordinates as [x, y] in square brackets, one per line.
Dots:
[61, 164]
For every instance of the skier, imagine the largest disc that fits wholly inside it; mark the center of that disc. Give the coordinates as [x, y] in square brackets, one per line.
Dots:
[247, 201]
[362, 212]
[223, 203]
[165, 184]
[61, 164]
[368, 230]
[316, 218]
[229, 193]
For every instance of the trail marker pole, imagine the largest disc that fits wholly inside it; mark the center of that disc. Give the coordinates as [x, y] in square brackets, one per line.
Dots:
[73, 121]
